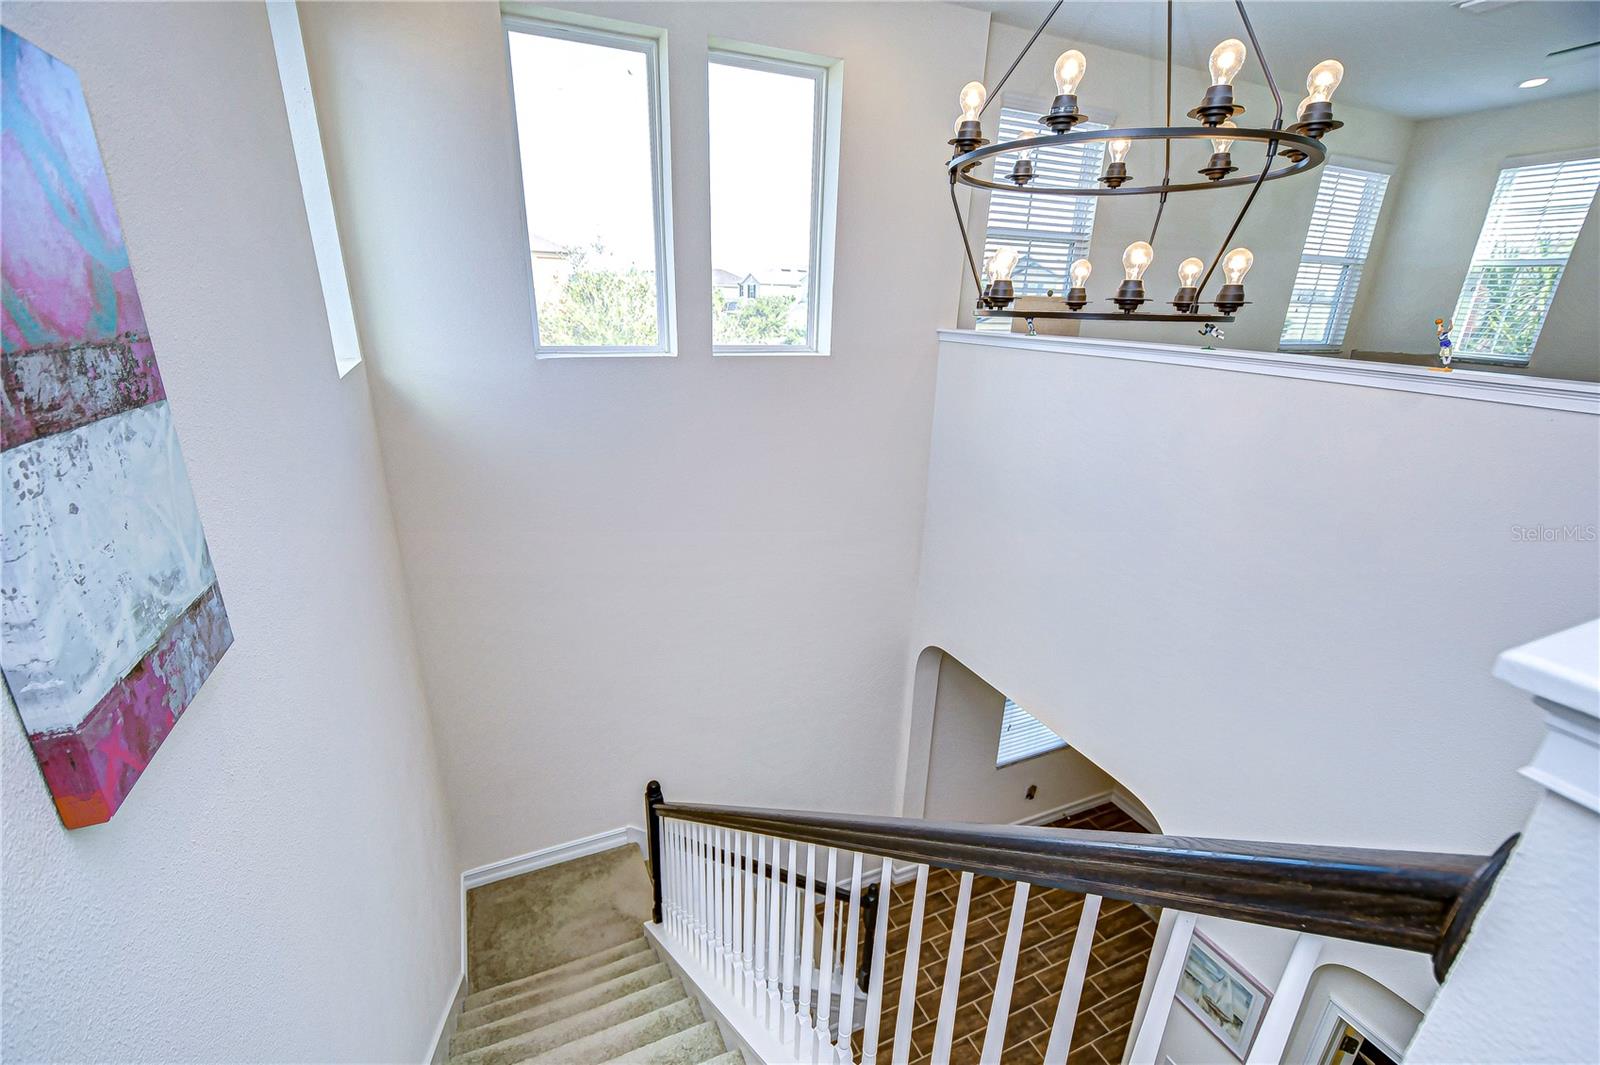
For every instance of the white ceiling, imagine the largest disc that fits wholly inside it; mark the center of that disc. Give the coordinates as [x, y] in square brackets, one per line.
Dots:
[1417, 58]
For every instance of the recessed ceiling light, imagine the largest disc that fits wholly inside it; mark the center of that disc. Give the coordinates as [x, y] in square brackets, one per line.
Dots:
[1533, 83]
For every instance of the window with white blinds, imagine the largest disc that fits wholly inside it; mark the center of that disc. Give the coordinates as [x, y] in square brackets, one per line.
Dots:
[1533, 222]
[1337, 242]
[1023, 736]
[1048, 232]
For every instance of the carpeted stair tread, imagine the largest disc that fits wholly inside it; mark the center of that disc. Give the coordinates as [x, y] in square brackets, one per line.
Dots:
[473, 1033]
[616, 1015]
[688, 1047]
[732, 1057]
[568, 984]
[606, 959]
[626, 1037]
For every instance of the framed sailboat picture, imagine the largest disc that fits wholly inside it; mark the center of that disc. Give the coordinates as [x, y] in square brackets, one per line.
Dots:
[1223, 996]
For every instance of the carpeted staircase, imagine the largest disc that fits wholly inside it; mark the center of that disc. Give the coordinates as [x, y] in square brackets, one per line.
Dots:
[563, 974]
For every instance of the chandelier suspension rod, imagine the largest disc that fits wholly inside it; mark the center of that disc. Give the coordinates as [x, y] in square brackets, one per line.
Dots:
[966, 242]
[1166, 171]
[1272, 146]
[995, 92]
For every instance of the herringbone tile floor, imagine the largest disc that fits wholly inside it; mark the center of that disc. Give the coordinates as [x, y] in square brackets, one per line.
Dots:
[1123, 938]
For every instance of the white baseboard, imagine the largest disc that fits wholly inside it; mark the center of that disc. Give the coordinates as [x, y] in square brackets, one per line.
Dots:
[548, 856]
[445, 1030]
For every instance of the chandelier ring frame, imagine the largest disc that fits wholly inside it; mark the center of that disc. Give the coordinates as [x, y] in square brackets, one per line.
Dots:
[961, 167]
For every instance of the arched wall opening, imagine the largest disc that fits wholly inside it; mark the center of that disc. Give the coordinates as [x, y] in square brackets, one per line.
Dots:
[954, 743]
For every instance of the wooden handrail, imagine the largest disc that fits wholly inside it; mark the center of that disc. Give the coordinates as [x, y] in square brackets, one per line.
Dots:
[1412, 900]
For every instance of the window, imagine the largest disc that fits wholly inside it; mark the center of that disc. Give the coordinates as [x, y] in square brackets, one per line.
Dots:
[283, 21]
[1342, 223]
[1048, 232]
[598, 240]
[1533, 221]
[768, 119]
[1023, 736]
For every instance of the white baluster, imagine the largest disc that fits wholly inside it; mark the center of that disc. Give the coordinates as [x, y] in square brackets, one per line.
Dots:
[1154, 1025]
[1272, 1038]
[880, 949]
[701, 896]
[774, 916]
[847, 967]
[806, 1030]
[825, 968]
[789, 1013]
[666, 857]
[908, 975]
[741, 917]
[724, 913]
[1060, 1045]
[944, 1030]
[749, 923]
[759, 1007]
[994, 1038]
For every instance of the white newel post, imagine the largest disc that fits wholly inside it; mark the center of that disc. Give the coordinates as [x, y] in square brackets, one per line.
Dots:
[1525, 985]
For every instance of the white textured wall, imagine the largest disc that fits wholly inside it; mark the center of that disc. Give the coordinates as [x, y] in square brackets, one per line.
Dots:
[963, 782]
[1267, 606]
[694, 568]
[280, 884]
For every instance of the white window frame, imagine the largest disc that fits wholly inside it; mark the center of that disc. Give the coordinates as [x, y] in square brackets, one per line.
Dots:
[1460, 352]
[649, 43]
[1035, 106]
[826, 76]
[1344, 310]
[294, 75]
[1039, 749]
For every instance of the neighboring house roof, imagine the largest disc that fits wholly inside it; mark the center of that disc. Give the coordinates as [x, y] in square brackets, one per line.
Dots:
[544, 246]
[723, 278]
[782, 276]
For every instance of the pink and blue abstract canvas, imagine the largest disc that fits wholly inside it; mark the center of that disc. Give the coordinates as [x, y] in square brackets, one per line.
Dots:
[110, 617]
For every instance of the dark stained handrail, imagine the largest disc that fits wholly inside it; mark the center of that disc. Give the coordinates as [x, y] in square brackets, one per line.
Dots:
[1412, 900]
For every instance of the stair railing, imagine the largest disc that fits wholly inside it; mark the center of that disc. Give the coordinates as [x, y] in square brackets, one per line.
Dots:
[736, 893]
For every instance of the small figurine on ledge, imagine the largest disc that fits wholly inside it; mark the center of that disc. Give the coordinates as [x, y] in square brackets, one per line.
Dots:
[1445, 353]
[1210, 330]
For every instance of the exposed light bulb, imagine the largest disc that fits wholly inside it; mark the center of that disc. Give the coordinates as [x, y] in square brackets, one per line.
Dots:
[1002, 263]
[1080, 271]
[1323, 79]
[1300, 112]
[1237, 264]
[1220, 145]
[1227, 59]
[1189, 272]
[973, 94]
[1118, 149]
[1070, 66]
[1136, 260]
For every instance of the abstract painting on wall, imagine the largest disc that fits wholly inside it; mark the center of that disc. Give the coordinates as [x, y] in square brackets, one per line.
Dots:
[109, 605]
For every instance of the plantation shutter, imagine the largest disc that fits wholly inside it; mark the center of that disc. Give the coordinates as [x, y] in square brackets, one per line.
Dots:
[1337, 242]
[1048, 232]
[1022, 736]
[1533, 222]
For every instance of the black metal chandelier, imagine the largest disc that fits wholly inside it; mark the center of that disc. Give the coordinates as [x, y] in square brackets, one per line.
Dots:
[1295, 150]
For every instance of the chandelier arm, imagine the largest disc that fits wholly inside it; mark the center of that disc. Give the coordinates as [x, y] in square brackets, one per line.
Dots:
[1260, 180]
[994, 94]
[1277, 99]
[1166, 170]
[966, 243]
